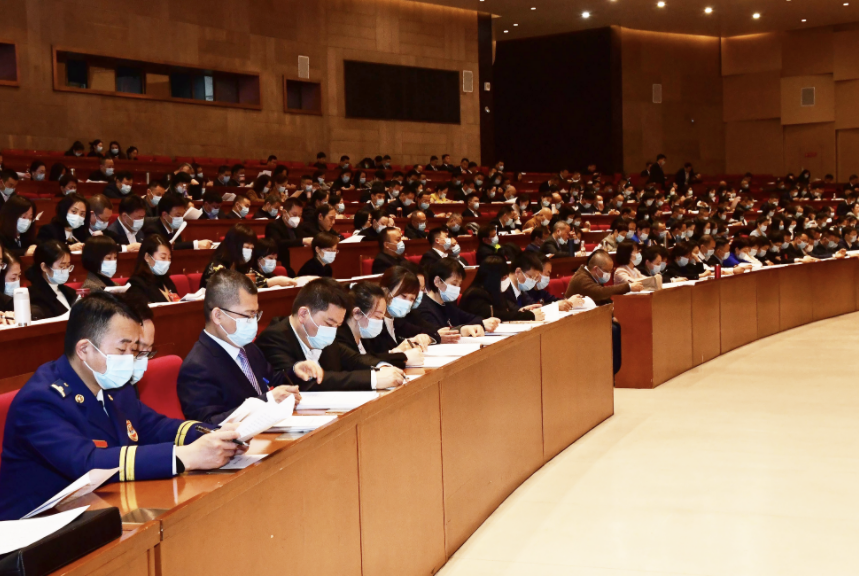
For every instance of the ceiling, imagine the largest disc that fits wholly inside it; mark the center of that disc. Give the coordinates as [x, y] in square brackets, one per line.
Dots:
[728, 18]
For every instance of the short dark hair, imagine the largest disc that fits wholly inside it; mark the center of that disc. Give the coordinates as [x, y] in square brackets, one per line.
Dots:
[527, 260]
[212, 196]
[444, 269]
[402, 277]
[324, 240]
[49, 252]
[125, 175]
[364, 295]
[170, 201]
[223, 289]
[96, 248]
[90, 317]
[319, 294]
[623, 256]
[131, 204]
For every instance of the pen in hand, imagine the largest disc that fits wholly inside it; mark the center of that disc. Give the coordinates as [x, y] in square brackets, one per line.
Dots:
[204, 430]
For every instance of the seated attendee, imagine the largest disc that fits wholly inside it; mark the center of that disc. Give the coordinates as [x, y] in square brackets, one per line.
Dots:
[85, 395]
[104, 172]
[366, 322]
[627, 258]
[722, 257]
[155, 191]
[241, 207]
[828, 245]
[652, 264]
[127, 229]
[100, 214]
[67, 226]
[486, 295]
[99, 260]
[265, 261]
[473, 210]
[557, 245]
[17, 233]
[150, 281]
[285, 230]
[376, 222]
[8, 185]
[590, 279]
[269, 209]
[211, 205]
[309, 333]
[225, 367]
[680, 268]
[740, 250]
[68, 185]
[10, 278]
[403, 286]
[324, 247]
[537, 238]
[52, 264]
[616, 235]
[120, 186]
[505, 220]
[539, 294]
[317, 199]
[323, 221]
[237, 175]
[454, 225]
[798, 250]
[439, 310]
[423, 200]
[171, 213]
[391, 248]
[235, 252]
[487, 242]
[416, 228]
[76, 150]
[441, 246]
[259, 189]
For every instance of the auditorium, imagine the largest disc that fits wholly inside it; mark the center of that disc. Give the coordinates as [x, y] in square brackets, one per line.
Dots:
[412, 287]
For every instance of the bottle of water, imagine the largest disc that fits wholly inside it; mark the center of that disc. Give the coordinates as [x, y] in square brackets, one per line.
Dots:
[21, 301]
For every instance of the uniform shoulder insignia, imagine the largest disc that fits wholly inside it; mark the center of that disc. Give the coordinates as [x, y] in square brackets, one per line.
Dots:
[60, 390]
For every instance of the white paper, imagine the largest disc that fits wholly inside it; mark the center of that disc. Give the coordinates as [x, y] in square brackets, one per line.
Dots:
[302, 423]
[192, 214]
[247, 407]
[484, 340]
[353, 239]
[80, 487]
[228, 197]
[302, 280]
[340, 401]
[262, 419]
[17, 534]
[118, 289]
[435, 361]
[242, 461]
[178, 232]
[194, 296]
[552, 312]
[460, 349]
[513, 328]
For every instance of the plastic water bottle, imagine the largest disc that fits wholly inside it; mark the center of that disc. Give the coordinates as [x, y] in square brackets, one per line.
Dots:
[21, 301]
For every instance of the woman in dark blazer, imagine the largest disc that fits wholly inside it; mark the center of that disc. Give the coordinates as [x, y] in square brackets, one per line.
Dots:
[324, 248]
[52, 264]
[99, 260]
[439, 307]
[150, 280]
[681, 265]
[265, 261]
[484, 297]
[69, 225]
[17, 233]
[234, 253]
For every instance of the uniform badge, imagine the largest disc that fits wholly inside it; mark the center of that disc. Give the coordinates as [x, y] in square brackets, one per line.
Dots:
[100, 443]
[61, 391]
[79, 399]
[132, 434]
[111, 397]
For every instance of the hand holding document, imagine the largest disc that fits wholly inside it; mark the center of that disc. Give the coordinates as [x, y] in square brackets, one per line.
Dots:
[80, 487]
[255, 416]
[17, 534]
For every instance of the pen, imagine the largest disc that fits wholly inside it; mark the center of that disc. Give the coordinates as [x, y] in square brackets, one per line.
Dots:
[204, 430]
[267, 383]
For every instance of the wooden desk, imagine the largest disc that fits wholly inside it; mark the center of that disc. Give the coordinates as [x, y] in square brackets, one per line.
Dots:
[135, 553]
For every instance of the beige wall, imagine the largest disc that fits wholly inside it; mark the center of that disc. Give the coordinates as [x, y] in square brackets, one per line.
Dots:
[688, 125]
[264, 36]
[768, 129]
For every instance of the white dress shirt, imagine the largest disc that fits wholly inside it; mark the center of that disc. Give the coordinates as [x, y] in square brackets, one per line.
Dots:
[313, 354]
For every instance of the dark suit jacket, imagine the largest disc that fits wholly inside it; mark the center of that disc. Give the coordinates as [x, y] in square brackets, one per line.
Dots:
[285, 237]
[314, 267]
[157, 227]
[231, 215]
[54, 231]
[113, 191]
[118, 233]
[43, 297]
[98, 176]
[478, 301]
[468, 213]
[443, 316]
[344, 370]
[484, 250]
[211, 385]
[149, 288]
[378, 353]
[413, 233]
[384, 261]
[657, 176]
[263, 215]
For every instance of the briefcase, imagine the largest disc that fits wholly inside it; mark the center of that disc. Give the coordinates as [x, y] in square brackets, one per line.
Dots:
[90, 531]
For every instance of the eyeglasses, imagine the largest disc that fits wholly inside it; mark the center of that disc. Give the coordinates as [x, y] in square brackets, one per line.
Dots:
[256, 315]
[146, 354]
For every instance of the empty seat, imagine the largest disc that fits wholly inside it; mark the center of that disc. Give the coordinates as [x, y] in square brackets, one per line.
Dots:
[416, 258]
[366, 266]
[470, 257]
[557, 287]
[182, 284]
[194, 281]
[158, 386]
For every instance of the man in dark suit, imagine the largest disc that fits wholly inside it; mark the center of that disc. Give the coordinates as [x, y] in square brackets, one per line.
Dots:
[487, 242]
[155, 191]
[558, 242]
[119, 187]
[241, 207]
[309, 333]
[225, 367]
[127, 229]
[285, 231]
[171, 210]
[211, 204]
[657, 176]
[391, 248]
[441, 246]
[8, 183]
[416, 228]
[473, 210]
[685, 177]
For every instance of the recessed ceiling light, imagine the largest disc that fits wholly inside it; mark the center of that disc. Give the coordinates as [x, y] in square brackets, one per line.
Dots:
[506, 31]
[708, 10]
[533, 8]
[515, 24]
[847, 3]
[586, 14]
[661, 4]
[803, 19]
[756, 15]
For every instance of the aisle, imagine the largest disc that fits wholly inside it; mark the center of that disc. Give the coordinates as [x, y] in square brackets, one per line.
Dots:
[748, 465]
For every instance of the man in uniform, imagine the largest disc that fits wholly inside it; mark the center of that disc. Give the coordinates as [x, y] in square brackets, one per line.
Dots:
[79, 413]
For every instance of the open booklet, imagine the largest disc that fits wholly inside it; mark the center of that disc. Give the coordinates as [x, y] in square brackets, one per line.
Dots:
[256, 416]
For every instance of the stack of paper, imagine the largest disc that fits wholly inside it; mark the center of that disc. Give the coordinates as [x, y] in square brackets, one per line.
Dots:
[340, 401]
[242, 461]
[435, 361]
[194, 296]
[255, 416]
[80, 487]
[17, 534]
[302, 423]
[490, 338]
[460, 349]
[513, 328]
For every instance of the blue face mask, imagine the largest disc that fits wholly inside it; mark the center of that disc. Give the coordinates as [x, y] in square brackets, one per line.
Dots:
[450, 293]
[418, 300]
[527, 285]
[373, 329]
[682, 261]
[267, 266]
[325, 335]
[120, 368]
[399, 307]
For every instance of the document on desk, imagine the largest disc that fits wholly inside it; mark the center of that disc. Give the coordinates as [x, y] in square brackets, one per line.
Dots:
[340, 401]
[353, 239]
[80, 487]
[17, 534]
[244, 410]
[460, 349]
[260, 420]
[302, 423]
[435, 361]
[242, 461]
[483, 340]
[513, 328]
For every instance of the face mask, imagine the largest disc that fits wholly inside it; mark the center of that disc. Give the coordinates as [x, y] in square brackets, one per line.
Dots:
[99, 225]
[176, 222]
[775, 249]
[395, 193]
[603, 276]
[59, 276]
[345, 179]
[328, 256]
[546, 203]
[399, 307]
[273, 212]
[450, 294]
[373, 329]
[474, 207]
[619, 204]
[213, 213]
[99, 148]
[422, 226]
[247, 253]
[379, 202]
[544, 281]
[407, 202]
[75, 220]
[246, 331]
[636, 260]
[10, 287]
[586, 204]
[643, 236]
[663, 266]
[267, 266]
[341, 207]
[224, 179]
[161, 267]
[108, 171]
[653, 271]
[79, 154]
[346, 165]
[120, 368]
[709, 253]
[442, 195]
[455, 250]
[70, 191]
[140, 365]
[155, 200]
[38, 177]
[561, 241]
[136, 225]
[527, 285]
[456, 182]
[831, 244]
[479, 182]
[108, 268]
[683, 261]
[491, 194]
[325, 335]
[494, 240]
[424, 205]
[802, 245]
[401, 247]
[243, 212]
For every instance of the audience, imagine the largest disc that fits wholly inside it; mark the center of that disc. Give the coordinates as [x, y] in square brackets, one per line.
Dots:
[99, 260]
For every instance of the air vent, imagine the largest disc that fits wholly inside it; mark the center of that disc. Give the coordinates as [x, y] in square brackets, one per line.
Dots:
[657, 93]
[304, 66]
[467, 81]
[807, 97]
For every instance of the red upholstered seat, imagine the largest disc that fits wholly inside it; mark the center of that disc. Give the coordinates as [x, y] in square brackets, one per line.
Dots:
[185, 159]
[557, 287]
[5, 401]
[145, 158]
[74, 285]
[366, 266]
[416, 258]
[590, 247]
[279, 270]
[182, 284]
[470, 257]
[165, 159]
[158, 386]
[120, 281]
[194, 281]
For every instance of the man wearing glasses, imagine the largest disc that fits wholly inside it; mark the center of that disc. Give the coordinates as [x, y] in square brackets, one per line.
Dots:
[225, 367]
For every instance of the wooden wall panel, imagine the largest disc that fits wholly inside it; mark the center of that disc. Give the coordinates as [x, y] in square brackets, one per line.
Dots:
[265, 37]
[807, 52]
[756, 146]
[848, 153]
[845, 55]
[751, 54]
[846, 100]
[792, 112]
[751, 96]
[810, 146]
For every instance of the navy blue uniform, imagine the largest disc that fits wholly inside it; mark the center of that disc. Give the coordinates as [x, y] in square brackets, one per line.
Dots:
[57, 431]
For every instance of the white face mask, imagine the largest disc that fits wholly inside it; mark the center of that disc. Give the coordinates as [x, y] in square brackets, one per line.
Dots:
[246, 331]
[160, 267]
[373, 328]
[247, 253]
[119, 370]
[125, 188]
[267, 265]
[176, 222]
[293, 221]
[10, 287]
[23, 225]
[450, 293]
[99, 225]
[108, 268]
[75, 220]
[328, 257]
[140, 365]
[59, 276]
[136, 225]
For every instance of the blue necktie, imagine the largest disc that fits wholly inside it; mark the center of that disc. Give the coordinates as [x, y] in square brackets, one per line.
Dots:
[246, 368]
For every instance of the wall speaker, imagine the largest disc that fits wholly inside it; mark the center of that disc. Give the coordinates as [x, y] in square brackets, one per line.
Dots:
[467, 81]
[806, 97]
[657, 93]
[304, 66]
